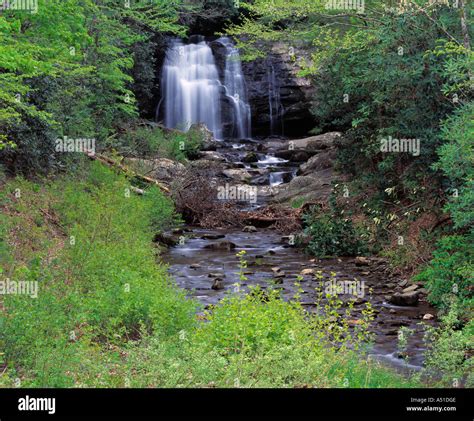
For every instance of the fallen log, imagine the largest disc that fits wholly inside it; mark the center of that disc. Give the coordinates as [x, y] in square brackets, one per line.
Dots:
[260, 221]
[127, 171]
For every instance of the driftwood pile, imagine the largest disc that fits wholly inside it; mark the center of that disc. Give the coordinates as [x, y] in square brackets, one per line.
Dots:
[196, 200]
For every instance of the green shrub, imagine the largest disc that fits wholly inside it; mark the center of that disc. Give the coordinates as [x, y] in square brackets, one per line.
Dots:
[451, 272]
[245, 324]
[449, 349]
[333, 235]
[154, 142]
[101, 287]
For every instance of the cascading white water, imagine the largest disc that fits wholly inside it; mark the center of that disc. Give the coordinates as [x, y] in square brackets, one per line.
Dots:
[276, 178]
[236, 91]
[274, 101]
[191, 87]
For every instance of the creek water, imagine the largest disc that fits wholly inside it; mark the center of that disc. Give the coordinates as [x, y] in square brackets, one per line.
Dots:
[194, 266]
[191, 94]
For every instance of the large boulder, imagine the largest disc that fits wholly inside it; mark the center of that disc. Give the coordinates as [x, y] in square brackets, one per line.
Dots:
[298, 150]
[314, 187]
[405, 298]
[321, 161]
[166, 239]
[238, 174]
[162, 169]
[212, 156]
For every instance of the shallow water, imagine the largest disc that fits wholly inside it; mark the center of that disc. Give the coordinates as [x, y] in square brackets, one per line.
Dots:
[191, 265]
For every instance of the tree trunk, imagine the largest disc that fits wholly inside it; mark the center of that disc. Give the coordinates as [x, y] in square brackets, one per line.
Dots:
[464, 30]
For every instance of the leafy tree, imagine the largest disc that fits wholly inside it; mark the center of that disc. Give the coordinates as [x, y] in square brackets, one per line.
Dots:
[67, 70]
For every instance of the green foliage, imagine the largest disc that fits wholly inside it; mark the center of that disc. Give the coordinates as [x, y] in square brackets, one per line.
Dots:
[453, 260]
[255, 340]
[67, 71]
[264, 327]
[392, 87]
[153, 142]
[451, 271]
[333, 233]
[450, 349]
[456, 160]
[98, 283]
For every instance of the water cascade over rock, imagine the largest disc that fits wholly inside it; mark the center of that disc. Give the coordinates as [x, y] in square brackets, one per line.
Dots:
[192, 91]
[236, 90]
[274, 101]
[191, 87]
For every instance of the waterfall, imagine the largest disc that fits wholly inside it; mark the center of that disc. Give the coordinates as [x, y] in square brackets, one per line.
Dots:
[276, 178]
[274, 102]
[236, 90]
[190, 87]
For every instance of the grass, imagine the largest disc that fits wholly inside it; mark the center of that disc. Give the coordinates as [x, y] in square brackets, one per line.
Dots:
[108, 314]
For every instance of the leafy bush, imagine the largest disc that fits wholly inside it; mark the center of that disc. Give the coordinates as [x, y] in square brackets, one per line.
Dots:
[266, 326]
[331, 233]
[456, 161]
[449, 349]
[155, 142]
[99, 282]
[451, 270]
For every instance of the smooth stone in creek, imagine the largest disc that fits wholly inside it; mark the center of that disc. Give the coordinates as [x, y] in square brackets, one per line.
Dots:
[405, 299]
[217, 284]
[221, 245]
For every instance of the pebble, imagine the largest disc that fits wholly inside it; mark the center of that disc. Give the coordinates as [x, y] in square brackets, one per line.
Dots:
[216, 275]
[218, 284]
[362, 261]
[411, 288]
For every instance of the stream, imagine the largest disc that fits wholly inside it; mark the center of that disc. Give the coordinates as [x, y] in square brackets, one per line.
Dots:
[198, 87]
[206, 256]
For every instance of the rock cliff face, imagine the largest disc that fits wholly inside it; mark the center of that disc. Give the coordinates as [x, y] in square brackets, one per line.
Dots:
[280, 100]
[273, 82]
